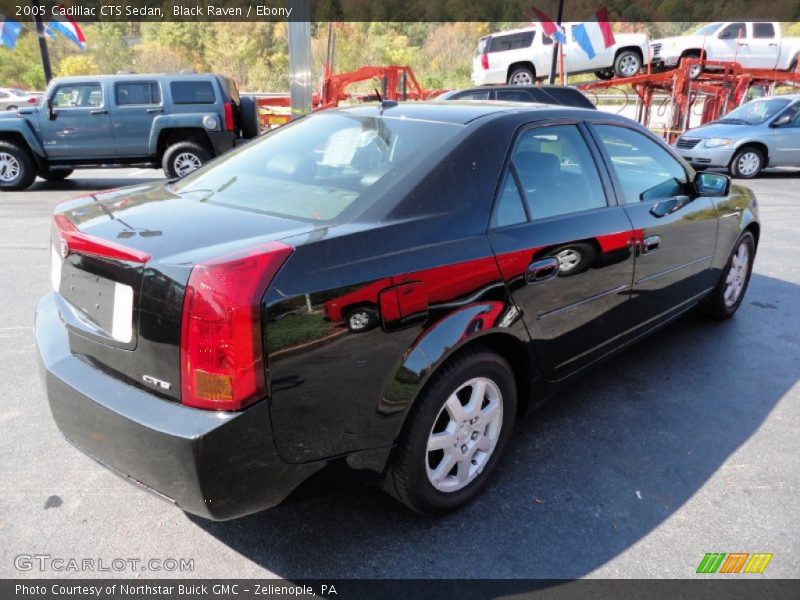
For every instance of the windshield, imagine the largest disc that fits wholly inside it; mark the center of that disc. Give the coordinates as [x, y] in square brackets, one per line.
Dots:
[756, 112]
[708, 29]
[318, 167]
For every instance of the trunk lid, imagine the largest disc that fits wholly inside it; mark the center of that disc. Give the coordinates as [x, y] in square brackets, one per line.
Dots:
[120, 261]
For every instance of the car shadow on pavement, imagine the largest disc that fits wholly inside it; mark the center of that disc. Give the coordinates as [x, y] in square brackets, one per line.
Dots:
[600, 466]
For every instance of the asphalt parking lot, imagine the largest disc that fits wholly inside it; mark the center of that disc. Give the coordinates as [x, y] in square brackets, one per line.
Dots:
[689, 443]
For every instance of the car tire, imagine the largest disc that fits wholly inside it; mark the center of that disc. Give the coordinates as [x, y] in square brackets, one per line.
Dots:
[414, 468]
[522, 76]
[729, 292]
[12, 107]
[747, 163]
[248, 115]
[574, 258]
[627, 63]
[182, 158]
[56, 175]
[17, 168]
[361, 319]
[605, 74]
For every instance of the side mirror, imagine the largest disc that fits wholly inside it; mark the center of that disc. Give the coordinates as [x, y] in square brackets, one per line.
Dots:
[781, 121]
[712, 184]
[51, 114]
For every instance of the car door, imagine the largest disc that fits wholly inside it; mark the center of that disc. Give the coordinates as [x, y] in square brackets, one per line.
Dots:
[136, 104]
[675, 232]
[564, 251]
[762, 47]
[80, 126]
[785, 137]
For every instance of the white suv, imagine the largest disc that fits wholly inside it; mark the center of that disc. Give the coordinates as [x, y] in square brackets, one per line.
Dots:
[520, 56]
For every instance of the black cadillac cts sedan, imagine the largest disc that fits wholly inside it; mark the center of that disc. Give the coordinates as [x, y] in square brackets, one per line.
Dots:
[375, 291]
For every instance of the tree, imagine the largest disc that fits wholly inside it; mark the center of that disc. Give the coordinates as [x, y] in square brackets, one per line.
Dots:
[76, 64]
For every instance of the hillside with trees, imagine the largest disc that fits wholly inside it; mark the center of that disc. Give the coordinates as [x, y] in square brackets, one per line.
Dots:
[256, 53]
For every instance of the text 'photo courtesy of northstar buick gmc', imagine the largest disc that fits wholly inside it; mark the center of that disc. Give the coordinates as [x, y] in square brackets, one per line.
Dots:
[372, 293]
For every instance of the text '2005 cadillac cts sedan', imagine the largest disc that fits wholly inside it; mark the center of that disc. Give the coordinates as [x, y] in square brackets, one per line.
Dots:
[372, 291]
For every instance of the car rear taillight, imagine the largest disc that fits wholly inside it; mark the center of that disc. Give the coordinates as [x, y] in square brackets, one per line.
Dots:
[222, 355]
[485, 60]
[73, 240]
[32, 100]
[229, 116]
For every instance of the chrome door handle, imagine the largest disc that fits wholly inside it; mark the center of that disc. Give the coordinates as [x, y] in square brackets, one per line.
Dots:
[541, 270]
[650, 244]
[155, 110]
[98, 111]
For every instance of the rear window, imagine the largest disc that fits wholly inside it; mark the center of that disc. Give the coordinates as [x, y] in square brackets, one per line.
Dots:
[322, 168]
[515, 41]
[192, 92]
[233, 91]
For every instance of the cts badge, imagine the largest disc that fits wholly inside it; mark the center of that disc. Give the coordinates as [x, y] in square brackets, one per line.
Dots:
[63, 248]
[164, 385]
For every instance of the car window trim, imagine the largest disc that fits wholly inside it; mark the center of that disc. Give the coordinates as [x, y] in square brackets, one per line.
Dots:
[102, 104]
[129, 82]
[619, 191]
[600, 165]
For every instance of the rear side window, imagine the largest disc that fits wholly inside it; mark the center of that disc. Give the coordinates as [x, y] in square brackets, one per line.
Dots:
[557, 172]
[515, 41]
[645, 170]
[514, 96]
[509, 209]
[192, 92]
[473, 95]
[132, 93]
[763, 30]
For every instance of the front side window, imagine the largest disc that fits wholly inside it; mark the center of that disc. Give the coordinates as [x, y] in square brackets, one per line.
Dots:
[557, 172]
[320, 168]
[192, 92]
[793, 112]
[78, 95]
[145, 92]
[734, 31]
[645, 170]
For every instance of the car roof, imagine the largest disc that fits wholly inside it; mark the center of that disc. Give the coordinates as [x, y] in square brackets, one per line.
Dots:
[460, 112]
[562, 95]
[135, 77]
[510, 31]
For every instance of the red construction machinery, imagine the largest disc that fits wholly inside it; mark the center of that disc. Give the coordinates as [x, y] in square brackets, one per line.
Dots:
[721, 87]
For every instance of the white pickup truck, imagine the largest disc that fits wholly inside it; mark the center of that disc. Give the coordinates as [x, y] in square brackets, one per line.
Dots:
[756, 45]
[521, 56]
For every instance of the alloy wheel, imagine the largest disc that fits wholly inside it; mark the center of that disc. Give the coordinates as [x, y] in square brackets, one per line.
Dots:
[521, 78]
[629, 65]
[464, 435]
[737, 275]
[9, 167]
[185, 163]
[568, 260]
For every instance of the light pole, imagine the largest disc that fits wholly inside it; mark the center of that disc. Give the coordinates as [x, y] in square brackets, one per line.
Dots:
[37, 18]
[554, 63]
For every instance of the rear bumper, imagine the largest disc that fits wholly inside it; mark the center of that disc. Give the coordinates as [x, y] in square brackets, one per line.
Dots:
[212, 464]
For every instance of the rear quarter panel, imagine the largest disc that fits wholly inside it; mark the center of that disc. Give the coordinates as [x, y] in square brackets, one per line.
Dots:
[333, 391]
